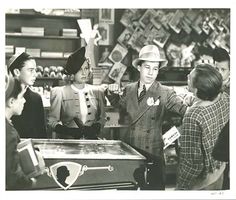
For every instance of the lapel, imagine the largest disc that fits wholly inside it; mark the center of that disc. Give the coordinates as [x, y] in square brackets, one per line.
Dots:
[143, 107]
[134, 97]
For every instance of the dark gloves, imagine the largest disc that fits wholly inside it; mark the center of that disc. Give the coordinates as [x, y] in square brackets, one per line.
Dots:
[76, 133]
[91, 132]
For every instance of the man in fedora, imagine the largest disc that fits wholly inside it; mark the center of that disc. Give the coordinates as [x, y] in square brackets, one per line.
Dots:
[146, 102]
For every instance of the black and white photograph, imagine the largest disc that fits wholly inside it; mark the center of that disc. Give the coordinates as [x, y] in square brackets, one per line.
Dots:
[118, 53]
[130, 18]
[124, 37]
[146, 18]
[140, 110]
[106, 16]
[104, 31]
[138, 39]
[156, 20]
[117, 71]
[175, 21]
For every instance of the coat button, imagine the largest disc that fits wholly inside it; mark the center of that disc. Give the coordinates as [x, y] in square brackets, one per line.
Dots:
[88, 106]
[86, 93]
[87, 99]
[89, 113]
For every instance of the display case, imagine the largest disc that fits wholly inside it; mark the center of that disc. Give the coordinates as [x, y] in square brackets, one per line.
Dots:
[92, 164]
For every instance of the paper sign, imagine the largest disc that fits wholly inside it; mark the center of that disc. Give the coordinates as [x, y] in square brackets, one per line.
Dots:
[86, 28]
[170, 136]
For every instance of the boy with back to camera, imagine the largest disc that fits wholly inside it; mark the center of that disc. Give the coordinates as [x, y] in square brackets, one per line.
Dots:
[202, 124]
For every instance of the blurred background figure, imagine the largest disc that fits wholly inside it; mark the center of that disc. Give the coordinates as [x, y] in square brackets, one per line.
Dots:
[222, 63]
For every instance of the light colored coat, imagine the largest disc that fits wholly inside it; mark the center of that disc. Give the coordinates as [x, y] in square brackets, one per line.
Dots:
[65, 106]
[146, 119]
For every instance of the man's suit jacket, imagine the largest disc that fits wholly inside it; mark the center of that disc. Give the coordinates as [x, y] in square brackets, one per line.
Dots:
[15, 177]
[146, 119]
[31, 122]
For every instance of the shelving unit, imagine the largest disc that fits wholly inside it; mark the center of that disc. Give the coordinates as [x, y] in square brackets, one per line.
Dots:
[49, 81]
[37, 15]
[19, 35]
[51, 41]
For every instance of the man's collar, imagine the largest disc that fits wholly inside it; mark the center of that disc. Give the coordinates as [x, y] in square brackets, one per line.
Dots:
[147, 86]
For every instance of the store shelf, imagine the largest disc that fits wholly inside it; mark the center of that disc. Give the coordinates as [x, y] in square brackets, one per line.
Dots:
[51, 40]
[48, 78]
[42, 58]
[19, 35]
[51, 58]
[37, 15]
[176, 69]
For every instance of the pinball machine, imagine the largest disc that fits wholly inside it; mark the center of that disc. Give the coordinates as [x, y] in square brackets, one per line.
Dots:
[88, 164]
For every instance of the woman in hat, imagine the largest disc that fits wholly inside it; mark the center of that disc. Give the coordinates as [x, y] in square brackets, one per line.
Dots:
[14, 103]
[77, 109]
[28, 124]
[146, 102]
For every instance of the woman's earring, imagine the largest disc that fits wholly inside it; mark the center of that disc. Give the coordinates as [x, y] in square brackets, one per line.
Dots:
[72, 77]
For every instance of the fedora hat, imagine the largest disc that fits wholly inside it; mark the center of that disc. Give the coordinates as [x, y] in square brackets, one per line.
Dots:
[150, 53]
[75, 61]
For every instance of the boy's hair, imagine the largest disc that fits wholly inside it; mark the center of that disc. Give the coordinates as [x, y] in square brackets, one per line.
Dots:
[208, 82]
[13, 88]
[18, 61]
[220, 54]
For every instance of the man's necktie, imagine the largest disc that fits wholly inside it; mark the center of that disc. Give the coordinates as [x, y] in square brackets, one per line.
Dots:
[142, 94]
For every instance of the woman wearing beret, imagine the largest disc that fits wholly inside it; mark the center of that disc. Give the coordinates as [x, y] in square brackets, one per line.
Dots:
[28, 124]
[77, 109]
[14, 104]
